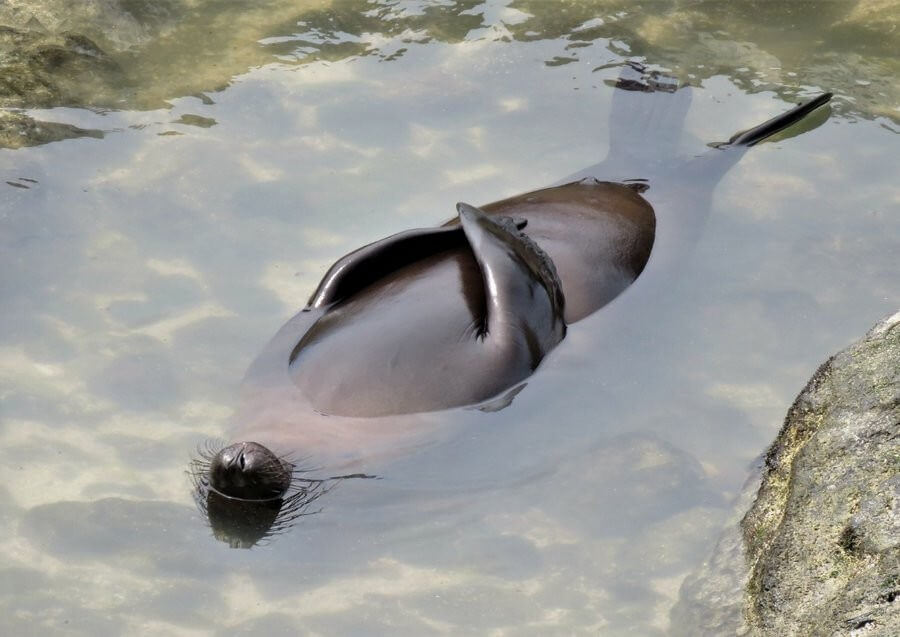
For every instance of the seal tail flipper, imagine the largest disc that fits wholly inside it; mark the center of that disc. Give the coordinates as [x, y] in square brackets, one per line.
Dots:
[694, 181]
[647, 116]
[646, 123]
[777, 124]
[711, 166]
[524, 302]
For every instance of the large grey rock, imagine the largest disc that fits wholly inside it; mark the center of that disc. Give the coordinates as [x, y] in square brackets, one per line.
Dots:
[818, 553]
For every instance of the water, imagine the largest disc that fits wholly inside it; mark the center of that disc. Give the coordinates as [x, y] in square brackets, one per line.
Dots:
[233, 154]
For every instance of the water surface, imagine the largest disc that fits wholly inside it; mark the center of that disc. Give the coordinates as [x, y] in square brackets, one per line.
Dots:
[174, 194]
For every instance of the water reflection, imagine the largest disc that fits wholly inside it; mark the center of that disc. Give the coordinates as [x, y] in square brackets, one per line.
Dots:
[243, 523]
[145, 54]
[245, 519]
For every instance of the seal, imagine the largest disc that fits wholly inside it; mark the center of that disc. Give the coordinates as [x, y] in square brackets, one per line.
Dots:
[460, 314]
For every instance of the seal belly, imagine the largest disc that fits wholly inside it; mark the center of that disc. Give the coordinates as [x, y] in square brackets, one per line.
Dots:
[401, 345]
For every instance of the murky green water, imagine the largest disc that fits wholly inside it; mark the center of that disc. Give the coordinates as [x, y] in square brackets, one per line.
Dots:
[213, 160]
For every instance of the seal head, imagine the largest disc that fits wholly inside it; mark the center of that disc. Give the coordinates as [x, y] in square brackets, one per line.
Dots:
[249, 471]
[249, 494]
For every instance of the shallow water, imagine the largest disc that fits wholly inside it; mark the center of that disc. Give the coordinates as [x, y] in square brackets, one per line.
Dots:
[237, 153]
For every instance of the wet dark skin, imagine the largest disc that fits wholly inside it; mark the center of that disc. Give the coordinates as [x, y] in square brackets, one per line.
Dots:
[431, 334]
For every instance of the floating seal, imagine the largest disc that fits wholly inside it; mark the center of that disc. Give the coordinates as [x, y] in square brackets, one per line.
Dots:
[461, 314]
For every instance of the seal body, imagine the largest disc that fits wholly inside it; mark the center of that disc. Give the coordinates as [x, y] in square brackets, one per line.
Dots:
[463, 313]
[470, 319]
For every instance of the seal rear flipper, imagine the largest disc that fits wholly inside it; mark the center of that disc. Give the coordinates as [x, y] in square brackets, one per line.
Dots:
[645, 125]
[711, 166]
[778, 123]
[523, 296]
[646, 119]
[366, 265]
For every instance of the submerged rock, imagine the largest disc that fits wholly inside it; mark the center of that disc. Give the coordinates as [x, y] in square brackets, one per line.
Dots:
[18, 130]
[818, 553]
[42, 70]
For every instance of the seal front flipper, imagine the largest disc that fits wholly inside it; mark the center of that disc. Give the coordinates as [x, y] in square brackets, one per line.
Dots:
[372, 262]
[524, 303]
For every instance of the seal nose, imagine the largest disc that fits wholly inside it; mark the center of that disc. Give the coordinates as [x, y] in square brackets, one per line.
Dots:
[236, 462]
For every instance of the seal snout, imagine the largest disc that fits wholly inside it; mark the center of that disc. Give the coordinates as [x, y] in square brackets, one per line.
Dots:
[248, 470]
